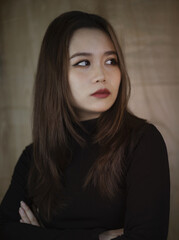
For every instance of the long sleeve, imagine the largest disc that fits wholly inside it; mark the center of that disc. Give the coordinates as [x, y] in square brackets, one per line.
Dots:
[11, 228]
[148, 189]
[143, 211]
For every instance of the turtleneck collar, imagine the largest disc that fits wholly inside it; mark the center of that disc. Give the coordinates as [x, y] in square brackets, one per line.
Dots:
[89, 125]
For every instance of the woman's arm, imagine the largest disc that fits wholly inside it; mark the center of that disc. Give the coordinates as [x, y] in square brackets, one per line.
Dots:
[10, 225]
[28, 217]
[148, 189]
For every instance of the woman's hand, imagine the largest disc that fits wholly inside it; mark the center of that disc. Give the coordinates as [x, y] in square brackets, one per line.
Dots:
[108, 235]
[27, 215]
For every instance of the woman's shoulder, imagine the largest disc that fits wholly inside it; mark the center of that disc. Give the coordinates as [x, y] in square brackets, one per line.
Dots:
[27, 152]
[143, 132]
[29, 149]
[25, 159]
[147, 153]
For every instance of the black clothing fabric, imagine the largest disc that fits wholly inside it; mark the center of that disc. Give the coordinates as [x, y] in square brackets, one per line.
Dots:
[141, 208]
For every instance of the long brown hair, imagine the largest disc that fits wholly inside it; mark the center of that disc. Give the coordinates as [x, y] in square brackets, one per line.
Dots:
[54, 118]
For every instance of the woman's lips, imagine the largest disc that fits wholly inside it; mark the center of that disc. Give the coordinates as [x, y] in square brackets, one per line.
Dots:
[102, 93]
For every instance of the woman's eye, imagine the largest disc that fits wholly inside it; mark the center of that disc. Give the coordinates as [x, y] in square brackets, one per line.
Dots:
[112, 61]
[83, 63]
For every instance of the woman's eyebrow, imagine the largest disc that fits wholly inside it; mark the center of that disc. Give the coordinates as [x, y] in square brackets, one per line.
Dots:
[80, 54]
[89, 54]
[110, 53]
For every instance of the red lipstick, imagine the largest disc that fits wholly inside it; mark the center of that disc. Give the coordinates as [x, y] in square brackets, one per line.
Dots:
[102, 93]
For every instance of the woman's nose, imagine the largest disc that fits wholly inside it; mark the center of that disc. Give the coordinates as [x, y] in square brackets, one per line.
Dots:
[98, 74]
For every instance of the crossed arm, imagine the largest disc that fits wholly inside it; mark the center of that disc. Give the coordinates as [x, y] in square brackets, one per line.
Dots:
[147, 202]
[28, 217]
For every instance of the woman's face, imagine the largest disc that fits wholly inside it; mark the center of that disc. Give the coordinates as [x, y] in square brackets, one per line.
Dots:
[94, 74]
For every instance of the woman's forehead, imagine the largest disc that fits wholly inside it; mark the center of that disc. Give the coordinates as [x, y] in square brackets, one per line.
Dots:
[90, 39]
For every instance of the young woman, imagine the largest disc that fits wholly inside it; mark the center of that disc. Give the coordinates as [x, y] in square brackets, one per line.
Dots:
[94, 170]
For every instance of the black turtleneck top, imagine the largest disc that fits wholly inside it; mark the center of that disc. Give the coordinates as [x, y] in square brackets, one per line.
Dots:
[141, 207]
